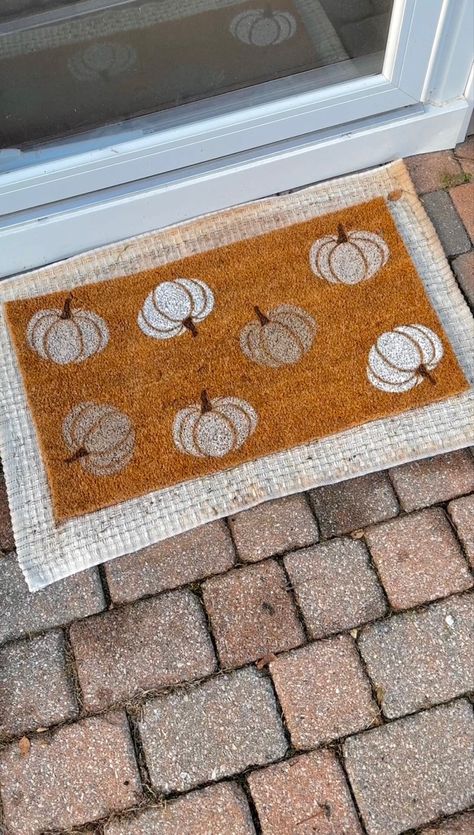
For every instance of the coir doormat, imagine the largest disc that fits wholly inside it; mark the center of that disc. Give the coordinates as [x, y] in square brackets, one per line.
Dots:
[157, 384]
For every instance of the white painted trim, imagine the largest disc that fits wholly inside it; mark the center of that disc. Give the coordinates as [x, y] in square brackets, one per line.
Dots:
[31, 239]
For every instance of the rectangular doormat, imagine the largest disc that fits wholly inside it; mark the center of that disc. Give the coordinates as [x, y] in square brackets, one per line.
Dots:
[183, 375]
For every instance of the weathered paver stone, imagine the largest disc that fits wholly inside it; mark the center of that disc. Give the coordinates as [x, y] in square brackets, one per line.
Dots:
[458, 825]
[7, 541]
[149, 644]
[463, 198]
[182, 559]
[414, 770]
[211, 731]
[84, 771]
[447, 222]
[217, 810]
[273, 528]
[307, 794]
[349, 505]
[335, 586]
[323, 691]
[24, 612]
[418, 558]
[422, 483]
[420, 658]
[463, 267]
[462, 514]
[35, 688]
[251, 613]
[431, 172]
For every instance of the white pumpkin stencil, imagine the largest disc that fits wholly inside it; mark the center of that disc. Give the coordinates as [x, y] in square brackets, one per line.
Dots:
[213, 428]
[280, 337]
[263, 27]
[68, 335]
[174, 307]
[349, 257]
[100, 437]
[102, 61]
[403, 358]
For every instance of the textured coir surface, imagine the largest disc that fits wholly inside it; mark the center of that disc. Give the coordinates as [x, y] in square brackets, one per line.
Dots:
[151, 380]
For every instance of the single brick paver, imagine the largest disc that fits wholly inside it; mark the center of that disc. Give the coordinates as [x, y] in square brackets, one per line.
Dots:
[217, 810]
[349, 505]
[211, 731]
[23, 612]
[463, 267]
[335, 586]
[418, 558]
[447, 222]
[35, 687]
[307, 794]
[84, 771]
[7, 542]
[463, 198]
[182, 559]
[414, 770]
[323, 691]
[420, 658]
[149, 644]
[422, 483]
[458, 825]
[431, 172]
[273, 528]
[251, 613]
[462, 514]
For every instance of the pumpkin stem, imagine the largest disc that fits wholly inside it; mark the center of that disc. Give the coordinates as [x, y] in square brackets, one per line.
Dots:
[424, 371]
[341, 234]
[79, 453]
[189, 324]
[206, 405]
[264, 320]
[66, 312]
[268, 11]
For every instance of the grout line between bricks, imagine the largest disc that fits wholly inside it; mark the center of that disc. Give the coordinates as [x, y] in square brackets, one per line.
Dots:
[109, 604]
[340, 758]
[72, 672]
[241, 780]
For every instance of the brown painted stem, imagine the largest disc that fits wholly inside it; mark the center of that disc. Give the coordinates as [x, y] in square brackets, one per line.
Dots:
[264, 320]
[341, 234]
[424, 371]
[191, 327]
[66, 312]
[79, 453]
[206, 405]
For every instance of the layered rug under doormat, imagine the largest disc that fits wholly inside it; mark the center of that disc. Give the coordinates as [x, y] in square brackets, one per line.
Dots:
[156, 384]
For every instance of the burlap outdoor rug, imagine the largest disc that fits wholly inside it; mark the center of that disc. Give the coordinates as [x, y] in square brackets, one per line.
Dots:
[154, 385]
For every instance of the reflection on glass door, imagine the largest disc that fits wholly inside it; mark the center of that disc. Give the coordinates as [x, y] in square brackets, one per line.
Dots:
[70, 66]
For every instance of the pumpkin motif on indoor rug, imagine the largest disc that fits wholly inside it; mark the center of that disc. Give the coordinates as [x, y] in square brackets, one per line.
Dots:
[403, 358]
[100, 437]
[263, 27]
[102, 61]
[175, 307]
[280, 337]
[67, 336]
[213, 428]
[348, 257]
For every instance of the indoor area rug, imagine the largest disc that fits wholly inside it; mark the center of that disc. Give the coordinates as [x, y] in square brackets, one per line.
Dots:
[184, 375]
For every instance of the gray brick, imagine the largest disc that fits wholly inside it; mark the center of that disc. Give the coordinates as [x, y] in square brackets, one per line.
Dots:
[61, 602]
[349, 505]
[421, 658]
[447, 222]
[414, 770]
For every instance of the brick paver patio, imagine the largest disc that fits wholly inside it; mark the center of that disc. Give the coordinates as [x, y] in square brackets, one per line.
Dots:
[305, 667]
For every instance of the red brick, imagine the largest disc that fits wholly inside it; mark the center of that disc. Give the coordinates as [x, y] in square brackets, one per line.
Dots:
[35, 689]
[150, 644]
[214, 730]
[463, 267]
[349, 505]
[462, 514]
[413, 770]
[182, 559]
[273, 528]
[418, 558]
[422, 483]
[217, 809]
[418, 659]
[251, 613]
[323, 691]
[81, 773]
[7, 542]
[430, 172]
[463, 199]
[307, 794]
[335, 586]
[459, 825]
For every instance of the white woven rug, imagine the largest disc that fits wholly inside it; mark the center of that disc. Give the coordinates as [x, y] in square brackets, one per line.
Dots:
[46, 552]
